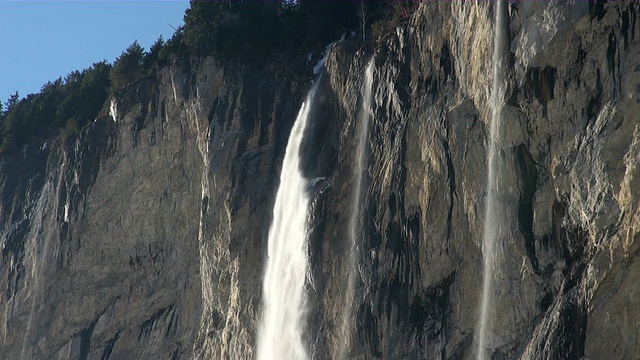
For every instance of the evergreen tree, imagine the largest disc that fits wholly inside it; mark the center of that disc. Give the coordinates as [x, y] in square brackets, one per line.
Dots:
[235, 28]
[12, 101]
[202, 21]
[127, 69]
[152, 58]
[68, 104]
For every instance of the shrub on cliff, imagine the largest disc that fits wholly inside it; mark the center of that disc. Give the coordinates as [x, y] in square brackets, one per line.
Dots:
[388, 15]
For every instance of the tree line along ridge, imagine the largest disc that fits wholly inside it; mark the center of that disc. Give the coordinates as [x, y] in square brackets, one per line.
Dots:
[241, 31]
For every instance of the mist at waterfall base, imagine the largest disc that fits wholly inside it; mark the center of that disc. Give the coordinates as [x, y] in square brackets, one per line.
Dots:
[492, 220]
[284, 309]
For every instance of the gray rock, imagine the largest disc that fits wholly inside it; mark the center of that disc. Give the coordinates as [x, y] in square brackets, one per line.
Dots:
[145, 237]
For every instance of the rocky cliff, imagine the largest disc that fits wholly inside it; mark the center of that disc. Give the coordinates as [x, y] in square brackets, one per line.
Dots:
[145, 237]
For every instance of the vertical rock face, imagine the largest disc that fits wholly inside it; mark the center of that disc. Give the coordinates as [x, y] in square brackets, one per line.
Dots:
[568, 142]
[145, 237]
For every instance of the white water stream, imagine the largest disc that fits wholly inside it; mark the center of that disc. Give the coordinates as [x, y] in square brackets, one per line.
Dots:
[355, 222]
[492, 222]
[284, 300]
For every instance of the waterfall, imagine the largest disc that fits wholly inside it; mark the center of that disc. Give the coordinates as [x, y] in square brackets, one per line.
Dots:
[113, 110]
[492, 222]
[284, 308]
[355, 222]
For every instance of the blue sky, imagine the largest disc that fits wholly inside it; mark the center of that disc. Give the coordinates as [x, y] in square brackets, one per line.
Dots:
[41, 41]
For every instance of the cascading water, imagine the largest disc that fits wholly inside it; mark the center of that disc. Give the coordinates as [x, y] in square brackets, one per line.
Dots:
[355, 222]
[284, 309]
[113, 110]
[492, 222]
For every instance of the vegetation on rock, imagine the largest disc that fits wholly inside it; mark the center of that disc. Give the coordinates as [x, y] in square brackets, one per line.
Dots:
[62, 104]
[245, 31]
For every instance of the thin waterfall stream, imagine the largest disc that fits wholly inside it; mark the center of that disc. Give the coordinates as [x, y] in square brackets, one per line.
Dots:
[492, 220]
[355, 221]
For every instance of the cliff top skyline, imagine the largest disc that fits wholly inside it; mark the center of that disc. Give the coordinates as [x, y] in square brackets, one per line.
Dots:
[49, 39]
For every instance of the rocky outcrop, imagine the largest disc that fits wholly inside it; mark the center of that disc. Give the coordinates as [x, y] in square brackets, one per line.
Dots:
[145, 236]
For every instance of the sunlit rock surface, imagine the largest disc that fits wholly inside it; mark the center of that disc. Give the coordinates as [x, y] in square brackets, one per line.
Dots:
[147, 237]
